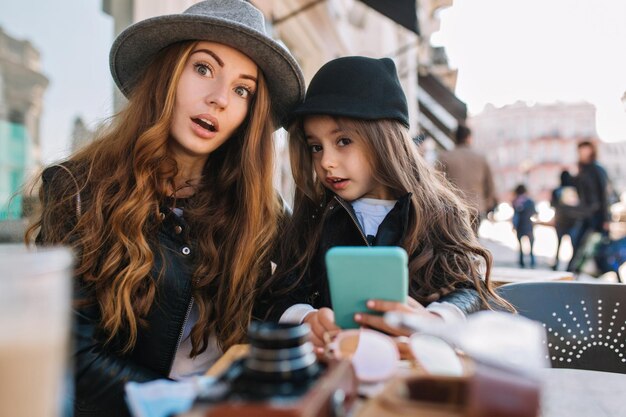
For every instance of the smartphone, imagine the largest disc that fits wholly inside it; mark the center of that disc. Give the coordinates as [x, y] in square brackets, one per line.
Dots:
[360, 273]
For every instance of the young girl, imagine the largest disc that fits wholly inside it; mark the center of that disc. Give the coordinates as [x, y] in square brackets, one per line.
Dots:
[361, 181]
[171, 210]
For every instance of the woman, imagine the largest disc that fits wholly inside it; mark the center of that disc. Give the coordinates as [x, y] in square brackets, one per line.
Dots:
[171, 211]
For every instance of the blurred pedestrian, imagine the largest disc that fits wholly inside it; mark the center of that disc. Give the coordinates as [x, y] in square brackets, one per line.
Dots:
[469, 171]
[592, 187]
[567, 211]
[524, 209]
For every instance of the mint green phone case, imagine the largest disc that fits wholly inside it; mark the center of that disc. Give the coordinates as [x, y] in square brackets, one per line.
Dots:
[359, 273]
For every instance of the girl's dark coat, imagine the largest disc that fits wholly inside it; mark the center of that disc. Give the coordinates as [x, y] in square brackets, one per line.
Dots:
[341, 228]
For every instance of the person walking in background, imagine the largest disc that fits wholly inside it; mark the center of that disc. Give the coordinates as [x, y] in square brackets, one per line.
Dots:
[567, 211]
[171, 211]
[469, 171]
[592, 187]
[524, 209]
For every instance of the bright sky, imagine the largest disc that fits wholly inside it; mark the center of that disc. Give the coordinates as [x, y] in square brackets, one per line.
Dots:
[505, 50]
[540, 51]
[73, 38]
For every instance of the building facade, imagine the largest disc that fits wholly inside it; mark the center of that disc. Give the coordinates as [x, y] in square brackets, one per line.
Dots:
[22, 86]
[532, 144]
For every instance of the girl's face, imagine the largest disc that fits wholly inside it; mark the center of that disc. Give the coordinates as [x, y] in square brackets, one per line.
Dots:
[339, 159]
[212, 98]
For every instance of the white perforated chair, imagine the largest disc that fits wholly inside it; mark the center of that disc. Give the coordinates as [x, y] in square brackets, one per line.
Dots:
[585, 322]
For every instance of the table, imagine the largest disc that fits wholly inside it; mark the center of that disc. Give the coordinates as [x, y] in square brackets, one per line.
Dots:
[504, 275]
[564, 393]
[576, 392]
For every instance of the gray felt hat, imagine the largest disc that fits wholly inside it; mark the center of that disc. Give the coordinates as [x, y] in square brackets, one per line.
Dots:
[235, 23]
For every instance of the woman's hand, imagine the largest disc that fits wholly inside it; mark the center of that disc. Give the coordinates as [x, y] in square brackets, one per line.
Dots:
[323, 325]
[378, 322]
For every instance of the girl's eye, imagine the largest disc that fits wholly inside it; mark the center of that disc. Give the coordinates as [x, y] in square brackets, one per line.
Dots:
[203, 69]
[243, 91]
[315, 148]
[344, 141]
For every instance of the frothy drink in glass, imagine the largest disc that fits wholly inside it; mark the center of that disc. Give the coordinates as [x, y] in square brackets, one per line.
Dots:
[35, 310]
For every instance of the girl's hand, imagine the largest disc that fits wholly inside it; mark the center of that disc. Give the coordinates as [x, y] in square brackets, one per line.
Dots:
[323, 325]
[378, 322]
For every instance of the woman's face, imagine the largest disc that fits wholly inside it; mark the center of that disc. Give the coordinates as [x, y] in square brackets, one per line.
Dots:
[212, 98]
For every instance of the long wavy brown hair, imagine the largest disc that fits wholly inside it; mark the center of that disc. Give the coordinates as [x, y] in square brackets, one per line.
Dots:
[444, 252]
[127, 172]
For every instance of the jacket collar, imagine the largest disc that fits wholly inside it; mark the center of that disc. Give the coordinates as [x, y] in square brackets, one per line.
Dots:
[391, 231]
[403, 201]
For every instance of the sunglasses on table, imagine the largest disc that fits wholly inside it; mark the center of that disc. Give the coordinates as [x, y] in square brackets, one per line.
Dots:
[375, 356]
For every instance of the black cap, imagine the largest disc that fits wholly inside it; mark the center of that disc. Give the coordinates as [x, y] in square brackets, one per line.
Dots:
[357, 87]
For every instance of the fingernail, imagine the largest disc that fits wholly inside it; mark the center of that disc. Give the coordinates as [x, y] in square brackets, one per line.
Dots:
[357, 317]
[319, 350]
[371, 303]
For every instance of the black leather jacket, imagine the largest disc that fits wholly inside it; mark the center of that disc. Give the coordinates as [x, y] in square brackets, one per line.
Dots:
[341, 228]
[101, 370]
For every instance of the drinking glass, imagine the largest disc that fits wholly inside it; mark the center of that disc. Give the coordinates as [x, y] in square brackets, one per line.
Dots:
[35, 311]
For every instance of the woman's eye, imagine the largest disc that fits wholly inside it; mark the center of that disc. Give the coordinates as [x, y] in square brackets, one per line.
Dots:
[203, 69]
[344, 141]
[315, 148]
[244, 92]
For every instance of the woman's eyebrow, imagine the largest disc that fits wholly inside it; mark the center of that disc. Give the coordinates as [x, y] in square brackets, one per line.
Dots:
[221, 63]
[248, 77]
[213, 54]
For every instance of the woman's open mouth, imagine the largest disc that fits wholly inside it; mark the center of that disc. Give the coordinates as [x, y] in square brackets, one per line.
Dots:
[205, 124]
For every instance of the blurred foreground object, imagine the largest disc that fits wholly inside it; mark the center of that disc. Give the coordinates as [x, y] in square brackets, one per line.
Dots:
[500, 339]
[277, 374]
[501, 360]
[35, 303]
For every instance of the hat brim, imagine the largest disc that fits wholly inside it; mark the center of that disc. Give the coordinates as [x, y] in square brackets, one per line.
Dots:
[136, 46]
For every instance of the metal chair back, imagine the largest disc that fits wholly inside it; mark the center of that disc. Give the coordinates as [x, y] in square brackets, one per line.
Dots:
[585, 322]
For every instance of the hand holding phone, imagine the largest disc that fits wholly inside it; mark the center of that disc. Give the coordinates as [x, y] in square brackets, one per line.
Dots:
[378, 322]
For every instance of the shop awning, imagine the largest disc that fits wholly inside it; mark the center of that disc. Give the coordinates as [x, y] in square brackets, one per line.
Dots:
[440, 110]
[403, 12]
